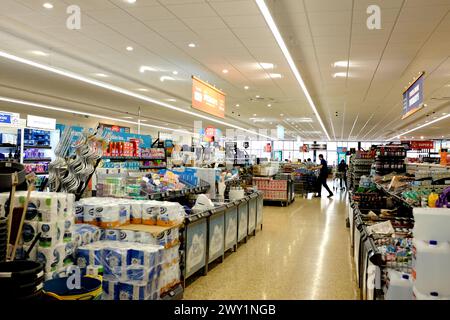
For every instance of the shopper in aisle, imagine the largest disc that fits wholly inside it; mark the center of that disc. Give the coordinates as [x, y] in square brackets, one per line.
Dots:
[323, 175]
[342, 169]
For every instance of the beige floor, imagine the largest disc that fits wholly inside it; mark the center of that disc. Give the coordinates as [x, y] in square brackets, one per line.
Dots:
[301, 253]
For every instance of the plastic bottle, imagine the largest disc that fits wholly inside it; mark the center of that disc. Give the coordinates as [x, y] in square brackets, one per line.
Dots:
[432, 198]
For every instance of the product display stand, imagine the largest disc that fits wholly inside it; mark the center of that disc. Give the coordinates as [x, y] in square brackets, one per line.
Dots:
[208, 235]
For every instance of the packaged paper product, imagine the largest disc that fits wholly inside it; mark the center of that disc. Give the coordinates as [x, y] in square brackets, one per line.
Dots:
[29, 231]
[109, 216]
[68, 229]
[89, 214]
[114, 262]
[171, 214]
[110, 289]
[112, 234]
[49, 234]
[127, 235]
[70, 202]
[124, 213]
[46, 203]
[79, 212]
[49, 257]
[145, 238]
[60, 231]
[88, 233]
[150, 211]
[88, 255]
[132, 291]
[144, 256]
[61, 205]
[136, 212]
[60, 254]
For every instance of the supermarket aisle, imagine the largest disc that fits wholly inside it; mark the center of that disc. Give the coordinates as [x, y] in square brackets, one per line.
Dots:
[302, 253]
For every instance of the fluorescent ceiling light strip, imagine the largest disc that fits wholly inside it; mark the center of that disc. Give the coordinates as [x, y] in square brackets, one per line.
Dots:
[273, 27]
[126, 92]
[419, 127]
[43, 106]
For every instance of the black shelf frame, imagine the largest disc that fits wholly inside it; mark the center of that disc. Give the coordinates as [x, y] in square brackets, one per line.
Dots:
[36, 147]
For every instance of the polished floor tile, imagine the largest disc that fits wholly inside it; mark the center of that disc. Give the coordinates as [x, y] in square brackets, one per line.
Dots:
[303, 252]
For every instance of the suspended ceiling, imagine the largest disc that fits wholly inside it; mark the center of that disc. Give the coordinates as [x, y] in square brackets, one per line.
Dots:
[364, 104]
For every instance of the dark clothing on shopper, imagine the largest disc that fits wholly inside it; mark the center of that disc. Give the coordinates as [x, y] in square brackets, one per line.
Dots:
[342, 168]
[324, 169]
[323, 175]
[323, 183]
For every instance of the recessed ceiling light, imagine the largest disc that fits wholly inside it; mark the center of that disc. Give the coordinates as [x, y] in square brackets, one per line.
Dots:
[128, 117]
[442, 136]
[225, 71]
[48, 5]
[412, 137]
[269, 105]
[422, 137]
[192, 45]
[275, 75]
[131, 1]
[142, 89]
[130, 48]
[266, 65]
[257, 97]
[271, 123]
[254, 114]
[246, 87]
[340, 75]
[444, 113]
[101, 75]
[39, 53]
[282, 115]
[143, 69]
[143, 120]
[165, 78]
[171, 100]
[175, 72]
[341, 64]
[237, 105]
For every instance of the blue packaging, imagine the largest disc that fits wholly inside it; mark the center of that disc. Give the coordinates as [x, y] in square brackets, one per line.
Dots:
[147, 257]
[114, 262]
[132, 291]
[137, 273]
[124, 213]
[112, 234]
[87, 256]
[110, 289]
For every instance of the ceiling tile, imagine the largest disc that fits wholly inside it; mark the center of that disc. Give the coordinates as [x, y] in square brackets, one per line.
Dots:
[194, 10]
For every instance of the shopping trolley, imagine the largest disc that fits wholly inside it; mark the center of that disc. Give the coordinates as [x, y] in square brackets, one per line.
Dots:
[306, 181]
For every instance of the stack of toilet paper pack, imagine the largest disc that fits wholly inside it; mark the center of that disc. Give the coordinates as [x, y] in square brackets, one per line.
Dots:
[131, 270]
[114, 212]
[51, 215]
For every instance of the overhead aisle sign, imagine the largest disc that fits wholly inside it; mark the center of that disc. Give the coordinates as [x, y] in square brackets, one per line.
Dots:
[7, 118]
[208, 99]
[413, 97]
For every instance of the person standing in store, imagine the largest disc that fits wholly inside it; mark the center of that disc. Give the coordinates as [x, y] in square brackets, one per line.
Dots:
[342, 168]
[323, 175]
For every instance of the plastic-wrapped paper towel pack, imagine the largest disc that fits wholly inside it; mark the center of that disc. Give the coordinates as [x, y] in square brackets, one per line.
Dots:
[112, 212]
